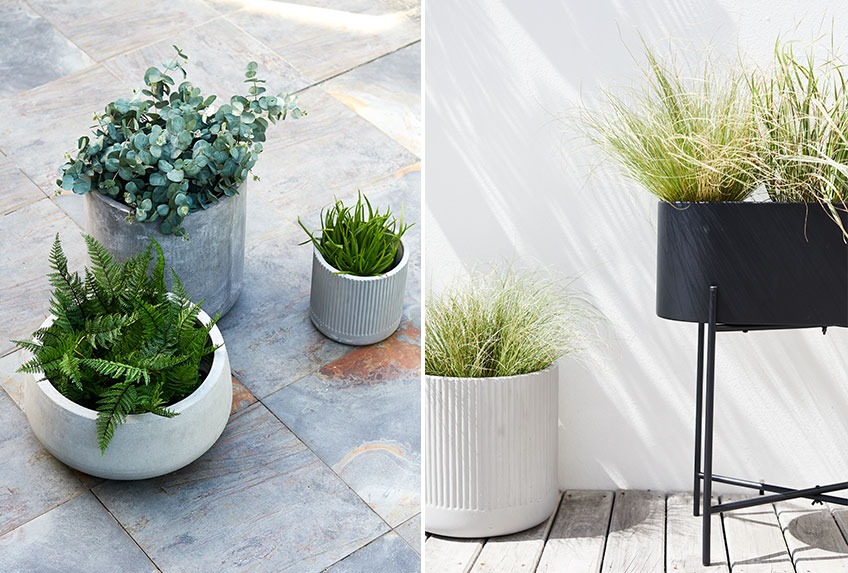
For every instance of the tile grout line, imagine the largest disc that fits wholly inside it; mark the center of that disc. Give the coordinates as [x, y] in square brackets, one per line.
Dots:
[357, 66]
[124, 529]
[51, 508]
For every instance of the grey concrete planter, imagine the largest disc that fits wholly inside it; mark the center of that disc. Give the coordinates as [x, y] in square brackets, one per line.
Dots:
[145, 445]
[357, 310]
[490, 453]
[210, 264]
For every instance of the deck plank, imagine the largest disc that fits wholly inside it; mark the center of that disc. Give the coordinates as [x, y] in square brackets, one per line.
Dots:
[683, 538]
[636, 541]
[447, 555]
[514, 553]
[755, 541]
[815, 542]
[578, 534]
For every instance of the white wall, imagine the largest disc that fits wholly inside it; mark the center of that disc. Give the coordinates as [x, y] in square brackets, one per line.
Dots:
[508, 177]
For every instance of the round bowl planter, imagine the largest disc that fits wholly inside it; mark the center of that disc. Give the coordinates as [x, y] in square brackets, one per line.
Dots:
[210, 263]
[777, 264]
[490, 453]
[145, 445]
[357, 310]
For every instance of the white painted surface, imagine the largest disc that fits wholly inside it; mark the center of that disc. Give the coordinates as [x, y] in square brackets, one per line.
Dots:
[509, 178]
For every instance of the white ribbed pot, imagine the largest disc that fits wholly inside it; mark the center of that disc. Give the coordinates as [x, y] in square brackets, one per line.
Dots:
[210, 263]
[490, 453]
[145, 445]
[357, 310]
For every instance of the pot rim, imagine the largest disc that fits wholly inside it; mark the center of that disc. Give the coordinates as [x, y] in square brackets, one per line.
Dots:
[554, 367]
[404, 259]
[215, 372]
[127, 210]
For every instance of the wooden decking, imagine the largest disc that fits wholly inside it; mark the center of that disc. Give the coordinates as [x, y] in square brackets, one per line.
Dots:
[648, 532]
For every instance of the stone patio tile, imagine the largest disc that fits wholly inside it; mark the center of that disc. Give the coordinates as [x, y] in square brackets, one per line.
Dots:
[50, 119]
[386, 92]
[79, 535]
[323, 39]
[368, 402]
[31, 480]
[373, 7]
[218, 53]
[410, 530]
[25, 243]
[388, 553]
[259, 499]
[330, 152]
[125, 25]
[18, 190]
[32, 52]
[242, 398]
[269, 336]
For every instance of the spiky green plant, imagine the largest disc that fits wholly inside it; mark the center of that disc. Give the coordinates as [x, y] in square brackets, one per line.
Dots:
[801, 107]
[506, 324]
[682, 139]
[358, 240]
[119, 342]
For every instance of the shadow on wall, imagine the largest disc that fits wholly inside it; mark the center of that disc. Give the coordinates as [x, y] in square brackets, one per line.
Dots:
[508, 178]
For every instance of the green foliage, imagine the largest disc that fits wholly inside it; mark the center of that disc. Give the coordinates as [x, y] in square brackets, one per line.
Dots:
[358, 240]
[683, 139]
[119, 343]
[169, 153]
[502, 325]
[801, 107]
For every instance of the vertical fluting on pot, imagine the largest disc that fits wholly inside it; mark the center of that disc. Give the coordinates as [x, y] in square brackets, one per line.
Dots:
[357, 310]
[490, 453]
[210, 263]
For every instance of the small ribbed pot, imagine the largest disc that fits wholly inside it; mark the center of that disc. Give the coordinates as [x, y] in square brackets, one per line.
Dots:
[145, 445]
[357, 310]
[490, 453]
[210, 263]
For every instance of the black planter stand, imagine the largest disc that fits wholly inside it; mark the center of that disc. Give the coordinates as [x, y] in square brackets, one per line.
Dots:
[704, 410]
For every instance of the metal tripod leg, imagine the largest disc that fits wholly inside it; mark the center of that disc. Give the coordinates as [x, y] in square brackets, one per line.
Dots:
[708, 426]
[699, 421]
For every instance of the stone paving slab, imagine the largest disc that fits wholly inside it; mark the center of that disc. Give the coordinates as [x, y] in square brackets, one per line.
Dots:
[25, 243]
[33, 52]
[410, 530]
[79, 535]
[218, 53]
[368, 404]
[125, 25]
[31, 480]
[18, 190]
[386, 92]
[324, 39]
[259, 499]
[388, 553]
[330, 152]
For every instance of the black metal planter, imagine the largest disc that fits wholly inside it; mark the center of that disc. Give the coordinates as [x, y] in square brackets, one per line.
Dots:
[738, 267]
[776, 264]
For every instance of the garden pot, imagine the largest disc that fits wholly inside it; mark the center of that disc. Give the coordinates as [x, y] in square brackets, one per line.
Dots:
[774, 264]
[490, 453]
[357, 310]
[210, 263]
[145, 445]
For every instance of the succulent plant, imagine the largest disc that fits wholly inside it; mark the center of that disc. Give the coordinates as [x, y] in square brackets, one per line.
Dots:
[167, 153]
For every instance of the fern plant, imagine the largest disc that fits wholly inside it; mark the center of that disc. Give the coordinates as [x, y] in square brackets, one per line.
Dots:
[119, 342]
[358, 240]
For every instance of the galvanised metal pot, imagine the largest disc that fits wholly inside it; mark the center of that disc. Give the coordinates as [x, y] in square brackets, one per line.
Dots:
[210, 263]
[357, 310]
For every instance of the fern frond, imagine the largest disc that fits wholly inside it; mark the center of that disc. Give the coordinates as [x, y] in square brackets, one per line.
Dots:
[104, 269]
[68, 286]
[102, 331]
[114, 406]
[116, 370]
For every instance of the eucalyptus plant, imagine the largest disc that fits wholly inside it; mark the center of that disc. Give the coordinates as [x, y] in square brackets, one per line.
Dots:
[503, 324]
[119, 342]
[167, 152]
[358, 240]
